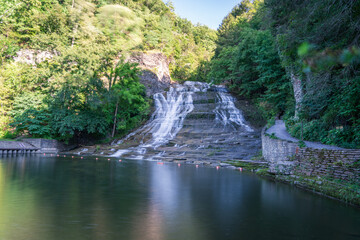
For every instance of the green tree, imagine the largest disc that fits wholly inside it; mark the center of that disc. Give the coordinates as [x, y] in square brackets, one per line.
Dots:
[126, 96]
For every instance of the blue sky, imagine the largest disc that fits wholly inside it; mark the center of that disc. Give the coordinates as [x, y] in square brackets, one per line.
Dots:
[207, 12]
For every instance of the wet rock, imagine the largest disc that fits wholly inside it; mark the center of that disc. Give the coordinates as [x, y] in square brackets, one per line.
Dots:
[221, 137]
[225, 164]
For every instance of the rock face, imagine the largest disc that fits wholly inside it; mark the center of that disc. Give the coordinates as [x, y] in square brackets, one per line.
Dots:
[298, 92]
[155, 71]
[33, 57]
[193, 122]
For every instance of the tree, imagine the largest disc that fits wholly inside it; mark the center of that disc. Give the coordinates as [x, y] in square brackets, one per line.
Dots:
[126, 94]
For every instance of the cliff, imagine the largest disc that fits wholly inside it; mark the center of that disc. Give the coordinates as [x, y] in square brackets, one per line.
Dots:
[155, 71]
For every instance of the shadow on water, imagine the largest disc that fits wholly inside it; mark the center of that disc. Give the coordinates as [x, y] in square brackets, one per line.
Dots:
[65, 198]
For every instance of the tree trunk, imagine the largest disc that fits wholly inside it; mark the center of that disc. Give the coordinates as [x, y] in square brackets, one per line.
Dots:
[114, 126]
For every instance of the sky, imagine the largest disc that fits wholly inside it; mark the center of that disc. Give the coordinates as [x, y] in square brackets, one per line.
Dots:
[206, 12]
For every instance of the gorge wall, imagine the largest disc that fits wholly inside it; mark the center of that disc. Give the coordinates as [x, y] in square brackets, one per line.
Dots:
[155, 74]
[192, 122]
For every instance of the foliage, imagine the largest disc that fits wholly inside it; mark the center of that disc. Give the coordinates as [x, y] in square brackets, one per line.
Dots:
[261, 44]
[75, 110]
[120, 25]
[83, 88]
[320, 40]
[5, 130]
[34, 122]
[81, 106]
[126, 97]
[246, 59]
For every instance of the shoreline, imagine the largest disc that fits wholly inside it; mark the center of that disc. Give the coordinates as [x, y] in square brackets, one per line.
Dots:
[318, 185]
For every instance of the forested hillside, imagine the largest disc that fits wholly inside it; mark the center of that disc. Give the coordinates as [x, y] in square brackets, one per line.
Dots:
[298, 60]
[76, 83]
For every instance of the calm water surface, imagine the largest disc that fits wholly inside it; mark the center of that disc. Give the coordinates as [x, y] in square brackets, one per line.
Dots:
[45, 198]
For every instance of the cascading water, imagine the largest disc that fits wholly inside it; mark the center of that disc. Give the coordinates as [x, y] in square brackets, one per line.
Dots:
[227, 113]
[167, 120]
[169, 116]
[159, 137]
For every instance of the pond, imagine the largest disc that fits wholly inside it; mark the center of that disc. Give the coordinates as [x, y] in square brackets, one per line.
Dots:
[45, 198]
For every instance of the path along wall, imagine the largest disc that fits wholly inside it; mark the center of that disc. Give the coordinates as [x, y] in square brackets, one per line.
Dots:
[287, 157]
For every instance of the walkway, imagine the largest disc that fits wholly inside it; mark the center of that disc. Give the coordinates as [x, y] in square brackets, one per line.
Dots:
[16, 145]
[280, 131]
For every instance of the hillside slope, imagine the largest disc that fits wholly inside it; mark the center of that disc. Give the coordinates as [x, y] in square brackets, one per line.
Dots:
[63, 73]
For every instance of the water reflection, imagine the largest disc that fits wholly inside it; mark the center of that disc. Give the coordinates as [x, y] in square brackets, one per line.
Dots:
[168, 208]
[64, 198]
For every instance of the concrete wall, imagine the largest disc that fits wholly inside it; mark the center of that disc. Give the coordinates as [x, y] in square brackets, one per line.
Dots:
[45, 145]
[286, 157]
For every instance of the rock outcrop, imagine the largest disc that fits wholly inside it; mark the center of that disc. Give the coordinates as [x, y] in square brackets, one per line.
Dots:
[298, 92]
[155, 71]
[33, 57]
[193, 122]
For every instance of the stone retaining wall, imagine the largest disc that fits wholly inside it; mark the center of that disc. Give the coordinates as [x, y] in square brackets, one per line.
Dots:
[287, 157]
[338, 164]
[279, 153]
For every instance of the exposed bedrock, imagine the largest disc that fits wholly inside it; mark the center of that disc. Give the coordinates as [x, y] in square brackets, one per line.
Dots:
[193, 122]
[155, 71]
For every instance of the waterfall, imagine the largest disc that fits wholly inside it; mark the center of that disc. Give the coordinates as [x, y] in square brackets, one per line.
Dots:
[171, 109]
[227, 113]
[167, 120]
[169, 116]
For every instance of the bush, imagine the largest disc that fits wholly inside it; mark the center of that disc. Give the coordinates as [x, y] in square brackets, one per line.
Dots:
[4, 127]
[317, 130]
[344, 137]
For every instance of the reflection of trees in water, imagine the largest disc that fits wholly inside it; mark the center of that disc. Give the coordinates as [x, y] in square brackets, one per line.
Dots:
[63, 198]
[71, 197]
[169, 212]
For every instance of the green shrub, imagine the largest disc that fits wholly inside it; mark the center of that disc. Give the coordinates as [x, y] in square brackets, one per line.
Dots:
[318, 131]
